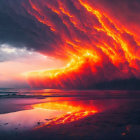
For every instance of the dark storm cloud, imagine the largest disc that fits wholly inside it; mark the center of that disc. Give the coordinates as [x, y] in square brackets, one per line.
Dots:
[10, 30]
[19, 28]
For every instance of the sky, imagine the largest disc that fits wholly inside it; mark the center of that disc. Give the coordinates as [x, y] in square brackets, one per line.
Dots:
[68, 43]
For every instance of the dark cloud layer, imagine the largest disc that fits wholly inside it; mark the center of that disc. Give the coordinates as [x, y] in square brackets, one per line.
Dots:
[19, 28]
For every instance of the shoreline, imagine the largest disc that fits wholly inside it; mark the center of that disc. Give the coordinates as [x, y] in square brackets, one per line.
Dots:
[118, 116]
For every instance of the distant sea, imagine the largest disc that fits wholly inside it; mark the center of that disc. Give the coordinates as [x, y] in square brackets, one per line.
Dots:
[97, 94]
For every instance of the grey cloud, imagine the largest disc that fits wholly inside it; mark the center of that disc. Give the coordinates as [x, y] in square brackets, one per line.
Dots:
[11, 53]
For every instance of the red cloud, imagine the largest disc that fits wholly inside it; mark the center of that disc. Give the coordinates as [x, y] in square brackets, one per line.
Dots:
[97, 46]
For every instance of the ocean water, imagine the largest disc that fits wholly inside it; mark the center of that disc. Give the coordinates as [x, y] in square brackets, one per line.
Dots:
[16, 92]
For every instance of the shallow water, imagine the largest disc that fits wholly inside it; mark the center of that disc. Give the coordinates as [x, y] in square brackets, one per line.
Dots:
[27, 119]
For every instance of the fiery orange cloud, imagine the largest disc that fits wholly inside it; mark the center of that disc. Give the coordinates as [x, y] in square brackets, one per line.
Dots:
[95, 46]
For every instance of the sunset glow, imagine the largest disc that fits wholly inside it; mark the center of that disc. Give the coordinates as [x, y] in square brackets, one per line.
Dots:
[98, 47]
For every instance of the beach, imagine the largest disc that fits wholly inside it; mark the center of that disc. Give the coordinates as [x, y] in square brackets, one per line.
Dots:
[69, 114]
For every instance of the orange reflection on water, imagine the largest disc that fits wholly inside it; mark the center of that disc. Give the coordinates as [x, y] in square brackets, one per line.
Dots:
[73, 111]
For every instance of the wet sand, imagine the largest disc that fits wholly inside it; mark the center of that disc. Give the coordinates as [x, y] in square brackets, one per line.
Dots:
[118, 118]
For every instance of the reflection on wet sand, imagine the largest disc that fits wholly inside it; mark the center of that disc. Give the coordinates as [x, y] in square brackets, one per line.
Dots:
[74, 110]
[71, 118]
[54, 111]
[26, 119]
